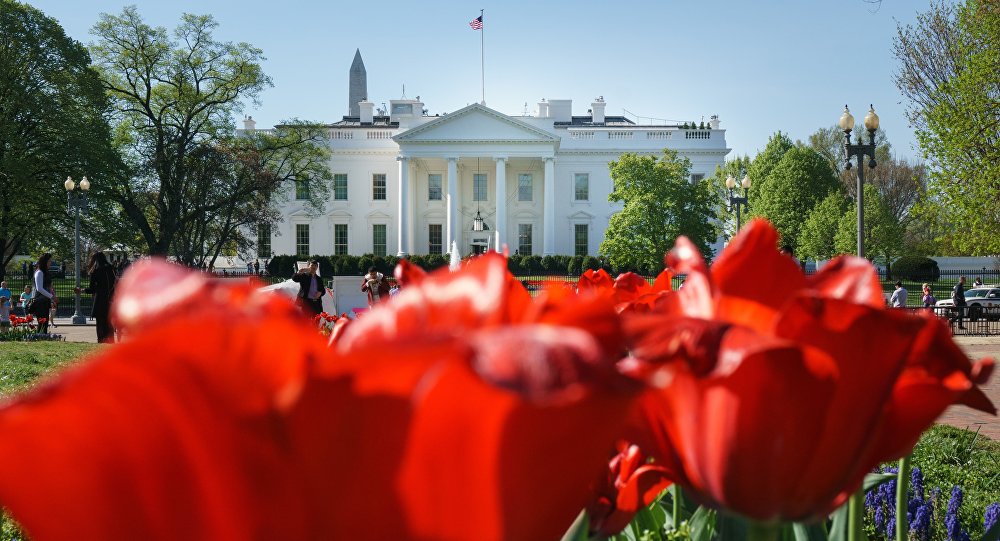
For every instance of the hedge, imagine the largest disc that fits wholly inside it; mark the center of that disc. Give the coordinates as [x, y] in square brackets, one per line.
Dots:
[519, 265]
[915, 268]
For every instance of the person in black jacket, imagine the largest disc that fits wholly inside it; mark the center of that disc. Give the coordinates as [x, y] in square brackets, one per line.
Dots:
[311, 289]
[102, 287]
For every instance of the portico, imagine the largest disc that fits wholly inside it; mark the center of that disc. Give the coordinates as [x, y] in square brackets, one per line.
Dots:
[455, 172]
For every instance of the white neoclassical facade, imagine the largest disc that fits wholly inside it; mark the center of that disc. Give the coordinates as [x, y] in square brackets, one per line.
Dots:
[409, 183]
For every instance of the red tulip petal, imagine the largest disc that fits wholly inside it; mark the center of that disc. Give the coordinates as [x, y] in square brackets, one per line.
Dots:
[850, 279]
[641, 488]
[696, 298]
[754, 280]
[479, 295]
[664, 281]
[629, 286]
[599, 279]
[496, 464]
[167, 436]
[152, 289]
[408, 274]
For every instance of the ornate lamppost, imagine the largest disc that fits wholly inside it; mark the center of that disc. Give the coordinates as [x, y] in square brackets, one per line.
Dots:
[77, 199]
[736, 200]
[860, 150]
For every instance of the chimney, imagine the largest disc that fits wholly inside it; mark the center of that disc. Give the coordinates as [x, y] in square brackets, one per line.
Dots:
[543, 108]
[367, 110]
[561, 110]
[249, 124]
[597, 110]
[714, 122]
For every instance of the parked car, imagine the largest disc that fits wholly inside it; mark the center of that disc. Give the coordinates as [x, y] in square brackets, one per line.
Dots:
[976, 299]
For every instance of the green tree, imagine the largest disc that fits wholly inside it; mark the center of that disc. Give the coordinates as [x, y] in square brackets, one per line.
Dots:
[174, 97]
[883, 232]
[660, 204]
[816, 237]
[949, 60]
[236, 186]
[52, 125]
[762, 164]
[801, 179]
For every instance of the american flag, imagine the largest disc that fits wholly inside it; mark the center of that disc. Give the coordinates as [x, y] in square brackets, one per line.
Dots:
[477, 23]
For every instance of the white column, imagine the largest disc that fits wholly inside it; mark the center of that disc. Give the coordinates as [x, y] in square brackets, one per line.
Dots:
[549, 208]
[501, 222]
[452, 213]
[404, 207]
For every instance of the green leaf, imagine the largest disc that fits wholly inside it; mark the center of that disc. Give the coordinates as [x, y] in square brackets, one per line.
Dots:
[809, 532]
[838, 530]
[731, 527]
[873, 480]
[578, 530]
[703, 524]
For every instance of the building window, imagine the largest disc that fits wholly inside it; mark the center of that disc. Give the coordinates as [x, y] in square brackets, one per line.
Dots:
[524, 188]
[378, 239]
[479, 187]
[434, 239]
[302, 240]
[524, 239]
[339, 239]
[580, 239]
[264, 241]
[581, 187]
[340, 187]
[433, 187]
[697, 177]
[301, 189]
[378, 186]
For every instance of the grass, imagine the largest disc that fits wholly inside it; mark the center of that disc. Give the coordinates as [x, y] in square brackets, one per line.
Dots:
[22, 363]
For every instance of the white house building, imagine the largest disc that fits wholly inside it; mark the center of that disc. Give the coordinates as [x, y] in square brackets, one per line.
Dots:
[409, 183]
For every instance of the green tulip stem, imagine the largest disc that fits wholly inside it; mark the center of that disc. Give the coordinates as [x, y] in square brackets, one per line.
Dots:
[675, 517]
[856, 515]
[763, 531]
[902, 502]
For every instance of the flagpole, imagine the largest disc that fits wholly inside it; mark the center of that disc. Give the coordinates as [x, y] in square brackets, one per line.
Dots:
[482, 54]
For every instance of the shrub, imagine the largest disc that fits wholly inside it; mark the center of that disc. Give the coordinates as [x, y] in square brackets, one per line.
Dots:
[915, 268]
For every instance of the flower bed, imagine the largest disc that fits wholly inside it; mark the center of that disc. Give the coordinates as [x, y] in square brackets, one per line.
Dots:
[24, 329]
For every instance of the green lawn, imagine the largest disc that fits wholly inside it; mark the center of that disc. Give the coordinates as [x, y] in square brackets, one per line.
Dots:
[21, 363]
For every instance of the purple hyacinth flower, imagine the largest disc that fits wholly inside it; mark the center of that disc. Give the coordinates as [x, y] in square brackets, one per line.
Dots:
[992, 515]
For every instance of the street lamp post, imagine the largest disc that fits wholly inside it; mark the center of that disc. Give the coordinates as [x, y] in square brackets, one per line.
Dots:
[736, 200]
[77, 199]
[860, 150]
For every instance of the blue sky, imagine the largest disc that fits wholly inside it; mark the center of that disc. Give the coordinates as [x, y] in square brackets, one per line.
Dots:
[762, 66]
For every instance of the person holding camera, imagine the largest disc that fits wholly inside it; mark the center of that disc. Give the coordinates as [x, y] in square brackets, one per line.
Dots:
[311, 290]
[377, 287]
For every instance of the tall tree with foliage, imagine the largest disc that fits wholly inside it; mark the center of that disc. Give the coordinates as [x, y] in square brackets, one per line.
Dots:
[660, 204]
[816, 237]
[800, 180]
[238, 183]
[765, 161]
[52, 125]
[949, 64]
[175, 96]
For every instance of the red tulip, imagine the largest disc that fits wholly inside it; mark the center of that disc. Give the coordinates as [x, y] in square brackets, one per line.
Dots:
[464, 410]
[630, 291]
[775, 393]
[630, 484]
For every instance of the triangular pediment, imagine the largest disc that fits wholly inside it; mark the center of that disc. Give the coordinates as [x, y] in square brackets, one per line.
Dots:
[475, 123]
[581, 215]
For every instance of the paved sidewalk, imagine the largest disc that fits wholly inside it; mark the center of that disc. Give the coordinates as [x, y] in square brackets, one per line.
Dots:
[975, 346]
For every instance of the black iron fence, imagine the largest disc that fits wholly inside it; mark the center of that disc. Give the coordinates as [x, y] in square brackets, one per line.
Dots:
[970, 320]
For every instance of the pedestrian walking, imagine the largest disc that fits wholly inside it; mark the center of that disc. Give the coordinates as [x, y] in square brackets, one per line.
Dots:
[44, 299]
[898, 298]
[102, 287]
[928, 298]
[958, 298]
[311, 290]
